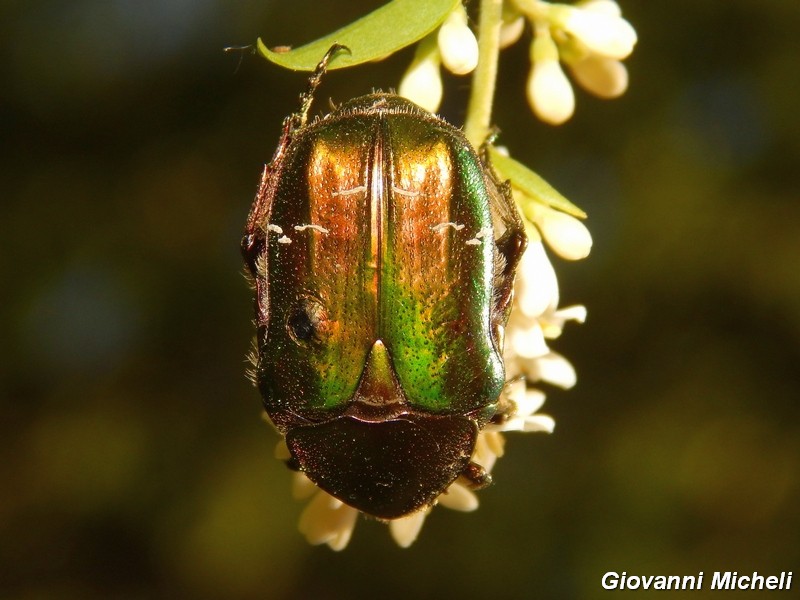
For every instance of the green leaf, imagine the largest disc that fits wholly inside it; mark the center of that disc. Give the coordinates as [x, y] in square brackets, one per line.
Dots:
[531, 184]
[373, 37]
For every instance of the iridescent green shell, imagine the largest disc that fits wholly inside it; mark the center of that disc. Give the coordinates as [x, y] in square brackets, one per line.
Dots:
[381, 294]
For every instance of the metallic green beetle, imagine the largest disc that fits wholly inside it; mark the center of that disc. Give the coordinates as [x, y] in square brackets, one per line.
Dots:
[383, 252]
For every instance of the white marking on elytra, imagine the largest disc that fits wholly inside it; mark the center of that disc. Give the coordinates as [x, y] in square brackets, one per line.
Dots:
[351, 192]
[485, 232]
[284, 240]
[406, 193]
[275, 228]
[445, 225]
[319, 228]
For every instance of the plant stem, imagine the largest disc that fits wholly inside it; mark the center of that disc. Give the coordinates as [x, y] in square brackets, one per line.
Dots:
[484, 79]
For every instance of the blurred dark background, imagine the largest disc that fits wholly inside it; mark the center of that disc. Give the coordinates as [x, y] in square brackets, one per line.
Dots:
[134, 463]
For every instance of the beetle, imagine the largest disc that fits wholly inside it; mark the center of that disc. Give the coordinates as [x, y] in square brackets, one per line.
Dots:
[383, 251]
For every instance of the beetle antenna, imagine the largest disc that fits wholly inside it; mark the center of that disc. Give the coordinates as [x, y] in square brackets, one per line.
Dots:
[313, 83]
[242, 50]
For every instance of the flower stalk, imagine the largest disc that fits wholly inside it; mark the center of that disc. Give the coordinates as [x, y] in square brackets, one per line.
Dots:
[479, 110]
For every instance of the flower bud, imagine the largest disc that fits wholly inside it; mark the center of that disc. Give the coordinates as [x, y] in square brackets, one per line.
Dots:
[511, 31]
[549, 91]
[600, 75]
[606, 34]
[457, 43]
[565, 234]
[422, 82]
[608, 7]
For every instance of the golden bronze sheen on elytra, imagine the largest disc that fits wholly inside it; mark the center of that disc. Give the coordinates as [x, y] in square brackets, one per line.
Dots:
[383, 252]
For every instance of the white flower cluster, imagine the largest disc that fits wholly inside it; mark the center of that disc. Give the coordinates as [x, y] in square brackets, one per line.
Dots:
[590, 38]
[536, 317]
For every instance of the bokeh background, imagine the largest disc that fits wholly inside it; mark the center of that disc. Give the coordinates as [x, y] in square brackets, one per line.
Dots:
[133, 460]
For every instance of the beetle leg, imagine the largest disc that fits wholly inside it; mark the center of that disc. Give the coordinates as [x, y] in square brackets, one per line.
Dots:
[512, 242]
[252, 247]
[506, 407]
[313, 83]
[475, 477]
[510, 247]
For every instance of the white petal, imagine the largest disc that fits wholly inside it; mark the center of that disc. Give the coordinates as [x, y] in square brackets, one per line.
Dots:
[536, 288]
[458, 497]
[405, 530]
[524, 418]
[530, 424]
[515, 391]
[494, 442]
[484, 453]
[302, 487]
[555, 369]
[457, 44]
[539, 423]
[565, 234]
[552, 323]
[601, 32]
[527, 342]
[532, 401]
[576, 312]
[342, 538]
[327, 521]
[513, 424]
[602, 76]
